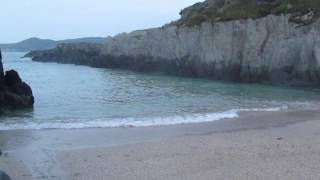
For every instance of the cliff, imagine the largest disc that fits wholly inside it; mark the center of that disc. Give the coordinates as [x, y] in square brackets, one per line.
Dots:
[14, 93]
[280, 46]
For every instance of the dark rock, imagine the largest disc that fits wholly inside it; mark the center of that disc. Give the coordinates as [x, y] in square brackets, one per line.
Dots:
[12, 78]
[14, 82]
[14, 93]
[4, 176]
[1, 71]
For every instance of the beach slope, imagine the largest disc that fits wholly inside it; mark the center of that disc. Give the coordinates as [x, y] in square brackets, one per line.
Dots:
[258, 145]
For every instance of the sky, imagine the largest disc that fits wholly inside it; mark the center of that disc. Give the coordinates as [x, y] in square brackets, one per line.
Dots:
[65, 19]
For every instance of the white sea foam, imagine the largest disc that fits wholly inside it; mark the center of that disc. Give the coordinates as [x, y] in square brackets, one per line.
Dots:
[134, 122]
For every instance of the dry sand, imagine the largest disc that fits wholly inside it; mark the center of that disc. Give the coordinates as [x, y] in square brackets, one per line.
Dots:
[258, 145]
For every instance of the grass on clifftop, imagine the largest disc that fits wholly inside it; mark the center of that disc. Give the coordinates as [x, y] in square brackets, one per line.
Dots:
[291, 6]
[226, 10]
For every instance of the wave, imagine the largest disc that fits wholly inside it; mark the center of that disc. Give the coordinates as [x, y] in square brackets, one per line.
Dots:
[134, 122]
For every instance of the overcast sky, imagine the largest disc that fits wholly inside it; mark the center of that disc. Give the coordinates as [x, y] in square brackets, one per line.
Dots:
[63, 19]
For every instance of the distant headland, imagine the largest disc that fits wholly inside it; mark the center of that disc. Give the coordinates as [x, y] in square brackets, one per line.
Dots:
[42, 44]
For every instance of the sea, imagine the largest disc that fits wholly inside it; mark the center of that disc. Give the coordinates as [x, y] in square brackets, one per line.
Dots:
[72, 96]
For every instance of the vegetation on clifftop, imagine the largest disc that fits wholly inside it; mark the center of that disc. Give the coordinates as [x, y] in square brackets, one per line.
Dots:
[302, 11]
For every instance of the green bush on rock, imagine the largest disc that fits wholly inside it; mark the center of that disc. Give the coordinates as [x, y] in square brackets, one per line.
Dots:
[302, 11]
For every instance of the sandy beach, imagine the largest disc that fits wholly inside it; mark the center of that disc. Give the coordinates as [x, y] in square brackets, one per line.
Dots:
[258, 145]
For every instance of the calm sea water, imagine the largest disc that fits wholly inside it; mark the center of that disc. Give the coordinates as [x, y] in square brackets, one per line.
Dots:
[70, 96]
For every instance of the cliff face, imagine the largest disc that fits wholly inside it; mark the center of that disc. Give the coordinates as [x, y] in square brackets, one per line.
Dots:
[14, 93]
[270, 49]
[267, 49]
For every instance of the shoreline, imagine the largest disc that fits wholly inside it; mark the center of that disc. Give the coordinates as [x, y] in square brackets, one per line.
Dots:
[61, 153]
[176, 120]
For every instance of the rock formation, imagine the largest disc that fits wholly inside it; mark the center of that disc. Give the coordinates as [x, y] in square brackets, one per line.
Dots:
[4, 176]
[276, 43]
[14, 93]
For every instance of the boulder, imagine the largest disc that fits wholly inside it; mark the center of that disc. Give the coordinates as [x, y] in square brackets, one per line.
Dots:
[14, 93]
[4, 176]
[12, 78]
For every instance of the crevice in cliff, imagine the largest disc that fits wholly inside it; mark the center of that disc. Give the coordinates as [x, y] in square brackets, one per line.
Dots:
[266, 39]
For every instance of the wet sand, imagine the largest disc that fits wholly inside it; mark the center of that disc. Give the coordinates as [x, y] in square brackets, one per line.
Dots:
[258, 145]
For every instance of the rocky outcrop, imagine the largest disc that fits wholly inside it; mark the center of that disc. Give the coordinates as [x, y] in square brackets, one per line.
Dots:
[14, 93]
[4, 176]
[271, 49]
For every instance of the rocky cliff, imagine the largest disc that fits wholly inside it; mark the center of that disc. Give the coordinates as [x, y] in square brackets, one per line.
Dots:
[14, 93]
[279, 44]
